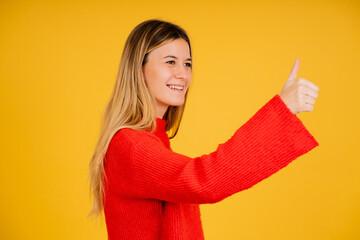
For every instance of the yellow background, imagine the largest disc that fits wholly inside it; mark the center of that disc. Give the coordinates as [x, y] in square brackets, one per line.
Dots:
[58, 65]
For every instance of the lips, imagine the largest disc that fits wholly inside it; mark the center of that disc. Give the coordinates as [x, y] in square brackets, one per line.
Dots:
[176, 87]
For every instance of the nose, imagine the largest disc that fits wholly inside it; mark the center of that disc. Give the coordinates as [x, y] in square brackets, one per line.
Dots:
[181, 72]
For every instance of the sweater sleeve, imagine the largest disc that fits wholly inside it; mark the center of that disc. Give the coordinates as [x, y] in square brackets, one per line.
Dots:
[266, 143]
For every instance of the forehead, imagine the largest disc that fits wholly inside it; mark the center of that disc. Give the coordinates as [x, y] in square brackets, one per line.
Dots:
[178, 48]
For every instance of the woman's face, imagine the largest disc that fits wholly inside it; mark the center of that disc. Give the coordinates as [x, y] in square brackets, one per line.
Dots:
[167, 69]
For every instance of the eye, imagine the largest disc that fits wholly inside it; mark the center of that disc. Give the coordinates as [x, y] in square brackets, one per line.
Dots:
[189, 64]
[171, 61]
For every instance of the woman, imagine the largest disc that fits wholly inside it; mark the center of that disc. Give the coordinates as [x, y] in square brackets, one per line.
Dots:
[146, 190]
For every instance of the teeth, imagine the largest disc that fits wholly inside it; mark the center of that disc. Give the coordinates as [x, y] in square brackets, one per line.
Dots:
[175, 87]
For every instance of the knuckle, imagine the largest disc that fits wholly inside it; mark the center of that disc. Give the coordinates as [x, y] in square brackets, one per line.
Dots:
[301, 87]
[298, 100]
[298, 90]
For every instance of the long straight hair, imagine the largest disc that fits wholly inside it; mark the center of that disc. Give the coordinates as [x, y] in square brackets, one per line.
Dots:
[131, 105]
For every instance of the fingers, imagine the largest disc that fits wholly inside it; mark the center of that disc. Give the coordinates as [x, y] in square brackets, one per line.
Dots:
[307, 83]
[294, 70]
[309, 91]
[308, 108]
[309, 100]
[299, 94]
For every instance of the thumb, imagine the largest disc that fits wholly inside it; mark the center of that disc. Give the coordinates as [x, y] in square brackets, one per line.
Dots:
[294, 70]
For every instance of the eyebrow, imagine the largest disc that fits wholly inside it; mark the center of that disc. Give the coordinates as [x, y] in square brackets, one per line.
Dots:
[176, 57]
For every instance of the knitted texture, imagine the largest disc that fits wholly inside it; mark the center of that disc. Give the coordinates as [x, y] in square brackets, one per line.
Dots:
[154, 193]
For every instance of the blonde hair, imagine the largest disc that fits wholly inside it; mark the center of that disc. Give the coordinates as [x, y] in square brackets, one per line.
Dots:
[131, 105]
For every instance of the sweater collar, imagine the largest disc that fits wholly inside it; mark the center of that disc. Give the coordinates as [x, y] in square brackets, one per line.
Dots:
[160, 131]
[160, 126]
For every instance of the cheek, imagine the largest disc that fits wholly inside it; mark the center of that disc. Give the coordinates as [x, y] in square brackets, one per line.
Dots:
[189, 76]
[161, 77]
[157, 76]
[156, 80]
[149, 77]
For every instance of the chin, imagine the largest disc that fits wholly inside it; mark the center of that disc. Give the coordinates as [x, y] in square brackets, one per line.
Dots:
[176, 104]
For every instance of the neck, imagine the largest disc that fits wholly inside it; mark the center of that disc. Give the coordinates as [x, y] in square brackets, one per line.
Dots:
[161, 110]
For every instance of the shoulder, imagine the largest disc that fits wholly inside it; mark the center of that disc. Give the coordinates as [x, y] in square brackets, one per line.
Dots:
[126, 138]
[124, 141]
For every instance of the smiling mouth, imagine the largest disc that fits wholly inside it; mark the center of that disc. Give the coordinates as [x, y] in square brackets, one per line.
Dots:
[175, 87]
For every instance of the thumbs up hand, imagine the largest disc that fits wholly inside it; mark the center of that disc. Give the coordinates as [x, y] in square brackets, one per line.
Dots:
[298, 94]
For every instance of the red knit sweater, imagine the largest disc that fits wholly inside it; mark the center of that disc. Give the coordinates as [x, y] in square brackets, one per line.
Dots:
[154, 193]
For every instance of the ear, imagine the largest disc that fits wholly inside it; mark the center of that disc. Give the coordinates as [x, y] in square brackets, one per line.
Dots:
[143, 73]
[142, 70]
